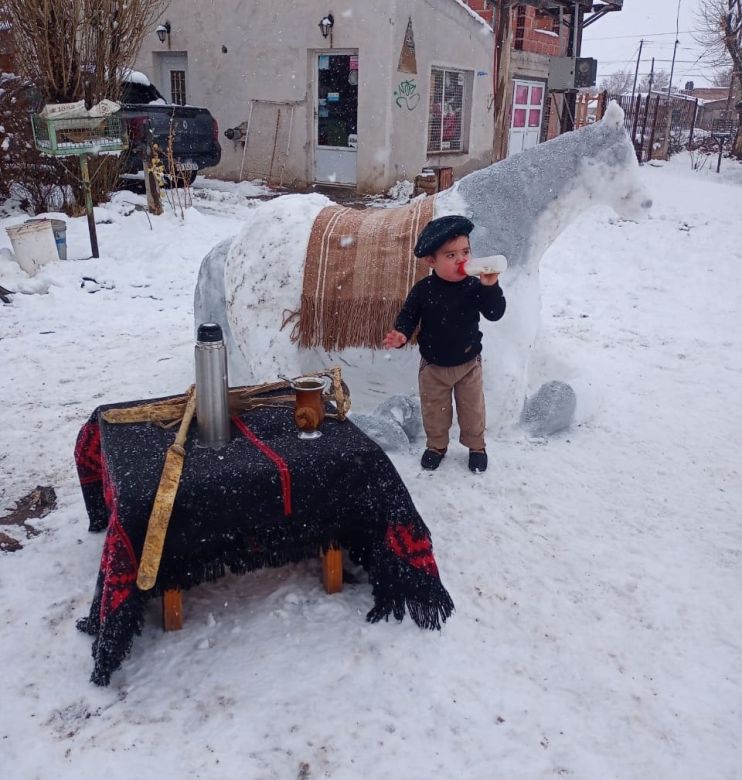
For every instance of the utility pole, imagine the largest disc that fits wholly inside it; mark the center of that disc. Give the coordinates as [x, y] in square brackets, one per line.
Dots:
[651, 80]
[503, 87]
[672, 68]
[573, 50]
[636, 72]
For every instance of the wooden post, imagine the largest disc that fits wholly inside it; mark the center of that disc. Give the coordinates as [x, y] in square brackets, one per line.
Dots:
[503, 86]
[89, 204]
[637, 111]
[693, 124]
[332, 569]
[650, 152]
[172, 610]
[151, 187]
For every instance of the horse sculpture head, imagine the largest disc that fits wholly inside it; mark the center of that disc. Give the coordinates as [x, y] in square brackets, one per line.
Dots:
[521, 205]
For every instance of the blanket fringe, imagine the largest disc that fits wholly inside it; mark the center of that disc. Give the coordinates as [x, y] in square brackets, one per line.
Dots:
[361, 323]
[430, 614]
[127, 621]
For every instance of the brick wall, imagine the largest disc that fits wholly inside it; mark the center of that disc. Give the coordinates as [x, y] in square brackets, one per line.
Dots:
[484, 8]
[534, 32]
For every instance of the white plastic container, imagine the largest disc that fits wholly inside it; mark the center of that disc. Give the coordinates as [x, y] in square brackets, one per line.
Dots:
[33, 244]
[59, 228]
[495, 264]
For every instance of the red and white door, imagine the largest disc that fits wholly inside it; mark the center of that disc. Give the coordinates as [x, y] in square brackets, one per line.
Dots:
[526, 116]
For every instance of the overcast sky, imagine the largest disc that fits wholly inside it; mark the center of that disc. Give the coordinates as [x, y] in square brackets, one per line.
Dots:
[614, 40]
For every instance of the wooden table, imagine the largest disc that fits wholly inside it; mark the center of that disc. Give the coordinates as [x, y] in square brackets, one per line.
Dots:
[265, 499]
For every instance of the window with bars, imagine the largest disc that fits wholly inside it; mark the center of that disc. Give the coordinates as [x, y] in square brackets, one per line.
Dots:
[178, 86]
[447, 112]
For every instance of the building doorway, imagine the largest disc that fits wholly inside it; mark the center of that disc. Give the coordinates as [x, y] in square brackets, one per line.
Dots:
[336, 118]
[172, 72]
[527, 115]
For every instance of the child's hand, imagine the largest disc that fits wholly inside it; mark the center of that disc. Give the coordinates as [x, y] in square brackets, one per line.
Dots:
[488, 279]
[394, 339]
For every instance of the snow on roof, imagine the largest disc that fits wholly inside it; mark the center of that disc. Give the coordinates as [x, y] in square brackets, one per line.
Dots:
[474, 14]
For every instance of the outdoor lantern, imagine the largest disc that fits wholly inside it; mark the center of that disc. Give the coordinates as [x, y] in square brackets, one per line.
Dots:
[163, 31]
[327, 23]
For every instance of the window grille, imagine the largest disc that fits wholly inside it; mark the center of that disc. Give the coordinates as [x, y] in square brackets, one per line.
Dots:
[520, 28]
[446, 114]
[178, 86]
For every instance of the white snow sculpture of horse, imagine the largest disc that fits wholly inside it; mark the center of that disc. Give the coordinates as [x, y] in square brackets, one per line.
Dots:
[519, 206]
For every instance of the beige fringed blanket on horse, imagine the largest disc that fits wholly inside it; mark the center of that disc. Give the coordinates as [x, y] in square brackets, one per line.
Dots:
[359, 268]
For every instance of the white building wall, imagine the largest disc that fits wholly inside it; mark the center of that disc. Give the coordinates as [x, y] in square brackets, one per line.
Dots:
[447, 35]
[243, 50]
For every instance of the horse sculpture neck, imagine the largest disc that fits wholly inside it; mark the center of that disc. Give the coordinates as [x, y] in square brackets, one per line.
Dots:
[521, 205]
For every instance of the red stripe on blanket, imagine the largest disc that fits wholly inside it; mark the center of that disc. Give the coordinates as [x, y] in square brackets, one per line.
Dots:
[118, 561]
[283, 469]
[417, 552]
[87, 454]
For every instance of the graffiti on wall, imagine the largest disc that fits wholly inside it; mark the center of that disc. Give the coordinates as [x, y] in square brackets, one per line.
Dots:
[406, 95]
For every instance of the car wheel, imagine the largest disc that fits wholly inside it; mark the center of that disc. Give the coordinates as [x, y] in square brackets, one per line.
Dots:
[183, 178]
[189, 177]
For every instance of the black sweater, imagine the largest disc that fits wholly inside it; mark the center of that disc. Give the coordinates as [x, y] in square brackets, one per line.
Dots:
[448, 314]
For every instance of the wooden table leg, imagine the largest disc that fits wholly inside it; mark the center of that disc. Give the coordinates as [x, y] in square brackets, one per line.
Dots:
[172, 610]
[332, 570]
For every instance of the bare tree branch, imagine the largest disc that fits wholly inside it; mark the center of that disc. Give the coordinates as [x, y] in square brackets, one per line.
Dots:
[721, 30]
[79, 49]
[618, 83]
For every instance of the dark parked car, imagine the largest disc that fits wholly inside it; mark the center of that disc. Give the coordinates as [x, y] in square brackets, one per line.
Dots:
[195, 133]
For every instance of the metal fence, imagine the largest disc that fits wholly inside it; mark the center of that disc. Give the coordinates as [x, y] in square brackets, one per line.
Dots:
[657, 124]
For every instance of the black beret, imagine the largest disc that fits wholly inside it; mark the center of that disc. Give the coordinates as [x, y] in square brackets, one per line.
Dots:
[440, 230]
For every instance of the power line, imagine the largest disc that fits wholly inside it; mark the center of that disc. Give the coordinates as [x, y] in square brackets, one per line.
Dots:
[688, 73]
[656, 59]
[639, 35]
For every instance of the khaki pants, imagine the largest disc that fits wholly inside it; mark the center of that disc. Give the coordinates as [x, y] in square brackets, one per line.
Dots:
[437, 383]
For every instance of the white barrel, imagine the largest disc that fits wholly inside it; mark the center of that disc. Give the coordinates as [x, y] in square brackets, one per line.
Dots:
[59, 228]
[33, 244]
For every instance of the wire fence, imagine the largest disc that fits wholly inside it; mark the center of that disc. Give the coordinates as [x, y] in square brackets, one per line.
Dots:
[658, 125]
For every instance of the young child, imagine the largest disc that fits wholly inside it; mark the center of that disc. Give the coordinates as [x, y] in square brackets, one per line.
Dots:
[447, 305]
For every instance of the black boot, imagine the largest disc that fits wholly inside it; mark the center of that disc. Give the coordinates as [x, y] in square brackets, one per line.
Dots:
[477, 461]
[431, 459]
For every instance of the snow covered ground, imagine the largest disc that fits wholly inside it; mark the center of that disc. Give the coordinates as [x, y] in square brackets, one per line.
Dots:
[596, 574]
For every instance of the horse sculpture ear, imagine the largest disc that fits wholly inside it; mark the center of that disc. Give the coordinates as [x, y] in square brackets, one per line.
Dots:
[614, 115]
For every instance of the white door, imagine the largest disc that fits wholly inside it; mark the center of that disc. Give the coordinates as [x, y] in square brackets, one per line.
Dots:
[526, 116]
[173, 75]
[336, 118]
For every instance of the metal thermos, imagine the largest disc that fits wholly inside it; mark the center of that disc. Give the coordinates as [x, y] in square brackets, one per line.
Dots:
[212, 399]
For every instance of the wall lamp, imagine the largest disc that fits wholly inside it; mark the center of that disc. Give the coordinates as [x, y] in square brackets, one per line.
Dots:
[326, 24]
[163, 32]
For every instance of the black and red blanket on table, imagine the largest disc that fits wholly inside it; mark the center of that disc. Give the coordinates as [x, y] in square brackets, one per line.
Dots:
[265, 499]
